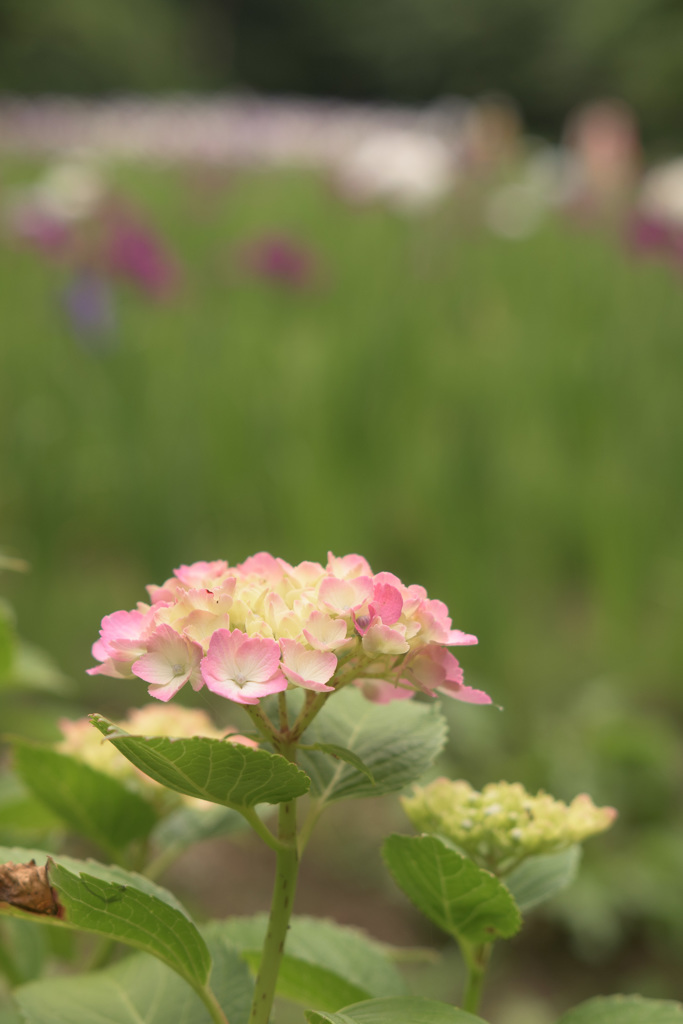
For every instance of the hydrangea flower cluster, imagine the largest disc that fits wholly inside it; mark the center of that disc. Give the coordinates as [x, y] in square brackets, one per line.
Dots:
[262, 626]
[86, 744]
[503, 824]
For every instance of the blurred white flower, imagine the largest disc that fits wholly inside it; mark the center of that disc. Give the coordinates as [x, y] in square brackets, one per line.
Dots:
[661, 193]
[410, 170]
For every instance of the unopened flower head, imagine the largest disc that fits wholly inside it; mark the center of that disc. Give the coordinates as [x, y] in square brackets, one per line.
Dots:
[85, 743]
[264, 626]
[503, 824]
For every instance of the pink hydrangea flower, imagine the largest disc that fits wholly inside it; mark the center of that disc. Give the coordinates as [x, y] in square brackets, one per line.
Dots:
[263, 626]
[242, 669]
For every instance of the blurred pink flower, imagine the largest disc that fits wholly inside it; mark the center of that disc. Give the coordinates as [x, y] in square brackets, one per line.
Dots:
[281, 260]
[133, 250]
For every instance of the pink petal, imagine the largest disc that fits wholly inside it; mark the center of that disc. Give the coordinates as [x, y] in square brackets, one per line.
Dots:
[457, 637]
[201, 574]
[380, 639]
[310, 669]
[381, 691]
[344, 596]
[387, 603]
[323, 632]
[257, 659]
[465, 693]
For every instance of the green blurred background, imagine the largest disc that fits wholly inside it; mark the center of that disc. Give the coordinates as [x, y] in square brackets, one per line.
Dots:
[498, 420]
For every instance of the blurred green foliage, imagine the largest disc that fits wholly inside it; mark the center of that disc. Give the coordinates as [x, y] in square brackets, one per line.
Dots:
[498, 421]
[549, 57]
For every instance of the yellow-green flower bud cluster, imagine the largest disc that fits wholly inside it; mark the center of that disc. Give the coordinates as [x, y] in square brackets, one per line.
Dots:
[503, 824]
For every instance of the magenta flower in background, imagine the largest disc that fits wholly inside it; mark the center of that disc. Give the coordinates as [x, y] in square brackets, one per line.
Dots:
[39, 229]
[648, 235]
[281, 260]
[264, 626]
[133, 250]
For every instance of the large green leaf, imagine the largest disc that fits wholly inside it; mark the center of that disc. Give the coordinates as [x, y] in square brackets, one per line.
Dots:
[33, 669]
[469, 903]
[225, 773]
[396, 743]
[92, 803]
[8, 640]
[325, 964]
[624, 1010]
[120, 905]
[538, 878]
[23, 818]
[408, 1010]
[139, 990]
[189, 825]
[25, 944]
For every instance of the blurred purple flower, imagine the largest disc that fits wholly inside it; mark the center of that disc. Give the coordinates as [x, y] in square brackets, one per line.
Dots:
[282, 260]
[136, 252]
[88, 302]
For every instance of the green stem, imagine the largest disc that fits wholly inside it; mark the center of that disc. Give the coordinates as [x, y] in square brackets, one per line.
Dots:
[212, 1005]
[315, 809]
[262, 722]
[476, 958]
[262, 830]
[314, 702]
[280, 913]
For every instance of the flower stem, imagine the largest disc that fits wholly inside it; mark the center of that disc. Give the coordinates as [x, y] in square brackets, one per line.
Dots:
[476, 958]
[212, 1005]
[280, 912]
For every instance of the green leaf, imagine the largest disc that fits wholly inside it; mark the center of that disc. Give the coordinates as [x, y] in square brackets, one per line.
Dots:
[189, 825]
[469, 903]
[343, 754]
[325, 963]
[624, 1010]
[121, 905]
[26, 944]
[538, 878]
[139, 990]
[93, 804]
[409, 1010]
[33, 669]
[8, 641]
[396, 743]
[23, 818]
[225, 773]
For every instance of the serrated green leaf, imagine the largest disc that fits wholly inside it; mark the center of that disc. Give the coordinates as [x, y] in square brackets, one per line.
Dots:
[465, 901]
[343, 754]
[224, 773]
[324, 963]
[624, 1010]
[396, 742]
[121, 905]
[139, 990]
[407, 1010]
[95, 805]
[538, 878]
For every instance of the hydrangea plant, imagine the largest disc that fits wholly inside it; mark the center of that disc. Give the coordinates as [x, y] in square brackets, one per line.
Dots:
[336, 669]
